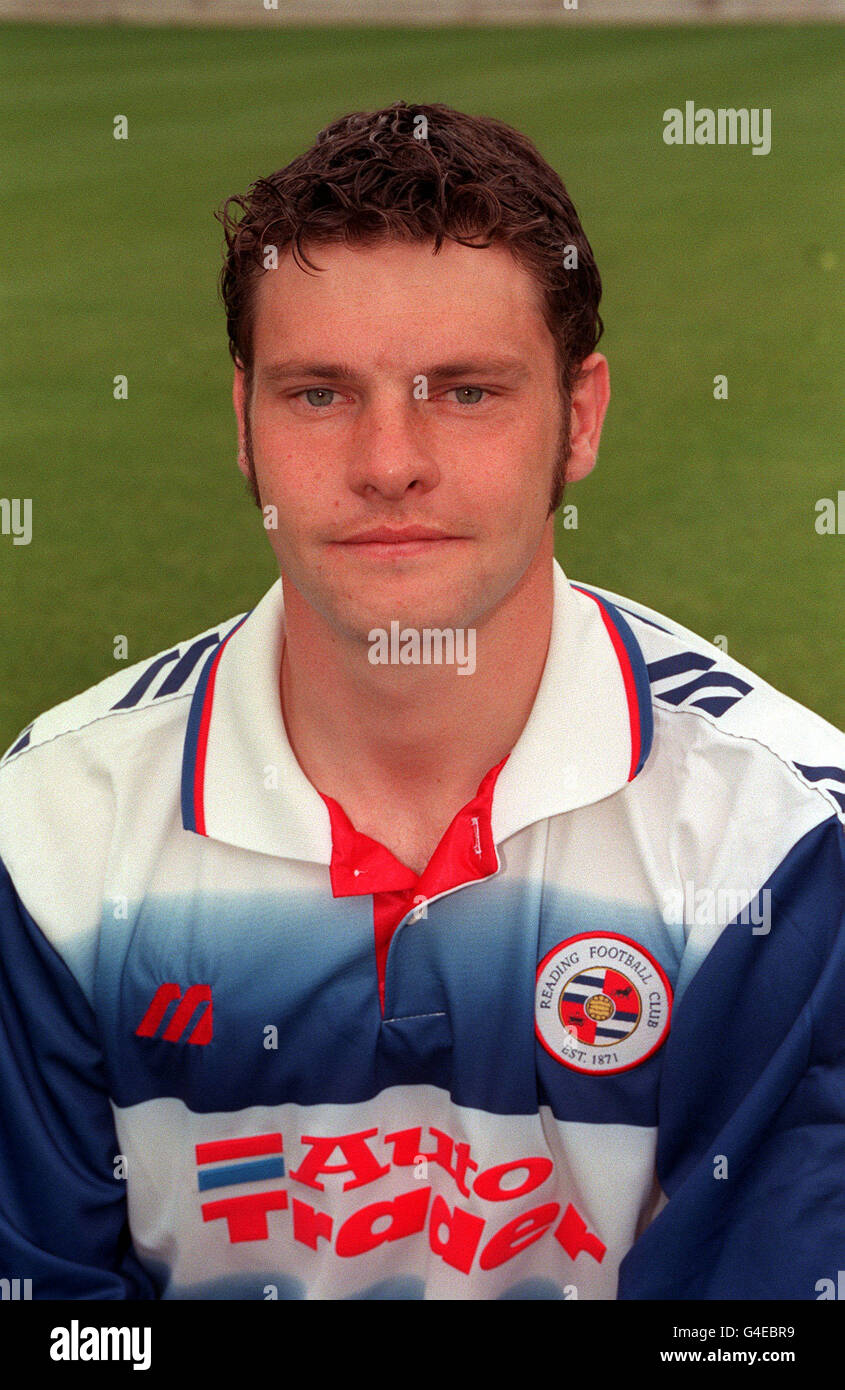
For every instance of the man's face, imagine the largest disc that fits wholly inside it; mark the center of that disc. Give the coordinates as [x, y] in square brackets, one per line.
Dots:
[398, 389]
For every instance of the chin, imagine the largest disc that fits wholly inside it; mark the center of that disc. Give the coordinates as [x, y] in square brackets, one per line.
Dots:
[416, 603]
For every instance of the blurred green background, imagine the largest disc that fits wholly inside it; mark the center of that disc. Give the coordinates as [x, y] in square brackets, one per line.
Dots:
[715, 261]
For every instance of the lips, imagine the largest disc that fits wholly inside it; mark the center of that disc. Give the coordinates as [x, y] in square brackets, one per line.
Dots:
[389, 535]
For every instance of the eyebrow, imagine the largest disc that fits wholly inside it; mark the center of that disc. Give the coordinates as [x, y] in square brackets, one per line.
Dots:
[298, 367]
[276, 373]
[504, 367]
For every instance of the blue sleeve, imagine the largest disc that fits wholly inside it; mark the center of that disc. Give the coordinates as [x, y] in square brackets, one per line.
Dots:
[63, 1221]
[751, 1138]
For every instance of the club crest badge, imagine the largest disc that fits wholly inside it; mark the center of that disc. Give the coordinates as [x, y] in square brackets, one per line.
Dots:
[602, 1003]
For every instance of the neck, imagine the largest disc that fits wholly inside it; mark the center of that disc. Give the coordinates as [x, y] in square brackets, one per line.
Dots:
[388, 733]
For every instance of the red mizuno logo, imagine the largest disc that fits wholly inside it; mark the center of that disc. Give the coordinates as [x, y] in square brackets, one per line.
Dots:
[197, 996]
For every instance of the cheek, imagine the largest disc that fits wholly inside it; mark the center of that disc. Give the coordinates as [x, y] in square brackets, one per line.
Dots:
[512, 486]
[292, 480]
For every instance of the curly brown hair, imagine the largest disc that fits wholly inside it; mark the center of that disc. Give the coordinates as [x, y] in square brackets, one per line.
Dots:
[472, 179]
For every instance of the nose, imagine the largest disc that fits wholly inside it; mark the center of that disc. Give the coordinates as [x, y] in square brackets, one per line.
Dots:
[392, 451]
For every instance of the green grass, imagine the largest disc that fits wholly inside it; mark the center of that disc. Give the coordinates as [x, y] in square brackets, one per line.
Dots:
[714, 261]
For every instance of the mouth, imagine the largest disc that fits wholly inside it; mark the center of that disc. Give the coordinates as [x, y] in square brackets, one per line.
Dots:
[397, 542]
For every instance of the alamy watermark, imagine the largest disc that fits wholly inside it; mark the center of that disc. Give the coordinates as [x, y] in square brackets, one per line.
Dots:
[428, 646]
[715, 907]
[15, 1289]
[830, 515]
[16, 519]
[728, 125]
[83, 1343]
[826, 1288]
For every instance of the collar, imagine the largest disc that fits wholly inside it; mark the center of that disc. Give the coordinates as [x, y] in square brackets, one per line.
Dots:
[466, 851]
[588, 734]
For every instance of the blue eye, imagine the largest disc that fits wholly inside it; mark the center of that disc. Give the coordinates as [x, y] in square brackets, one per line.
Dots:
[469, 395]
[321, 393]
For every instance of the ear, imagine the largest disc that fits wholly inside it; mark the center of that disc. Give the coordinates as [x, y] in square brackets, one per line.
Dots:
[240, 403]
[590, 398]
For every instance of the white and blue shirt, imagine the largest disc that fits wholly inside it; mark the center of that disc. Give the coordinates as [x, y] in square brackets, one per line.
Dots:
[594, 1051]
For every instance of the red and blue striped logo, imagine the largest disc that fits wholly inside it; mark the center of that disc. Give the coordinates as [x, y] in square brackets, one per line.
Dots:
[239, 1160]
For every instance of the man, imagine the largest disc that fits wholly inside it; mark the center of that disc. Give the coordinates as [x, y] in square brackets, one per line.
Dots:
[440, 928]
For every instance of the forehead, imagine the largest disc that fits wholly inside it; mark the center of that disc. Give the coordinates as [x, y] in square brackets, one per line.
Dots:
[399, 299]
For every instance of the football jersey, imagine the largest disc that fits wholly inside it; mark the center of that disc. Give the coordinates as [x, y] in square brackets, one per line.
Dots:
[593, 1051]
